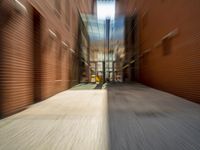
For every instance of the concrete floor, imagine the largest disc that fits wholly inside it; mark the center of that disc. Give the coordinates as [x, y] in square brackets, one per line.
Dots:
[119, 117]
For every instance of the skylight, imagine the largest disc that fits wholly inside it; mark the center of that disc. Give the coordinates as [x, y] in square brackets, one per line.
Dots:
[106, 9]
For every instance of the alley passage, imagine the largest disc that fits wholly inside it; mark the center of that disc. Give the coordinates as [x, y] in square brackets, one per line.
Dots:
[114, 117]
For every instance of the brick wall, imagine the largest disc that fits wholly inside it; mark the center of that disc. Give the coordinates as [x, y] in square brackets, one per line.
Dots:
[16, 65]
[173, 64]
[34, 63]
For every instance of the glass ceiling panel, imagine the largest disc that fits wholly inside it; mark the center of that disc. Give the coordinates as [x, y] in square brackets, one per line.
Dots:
[105, 9]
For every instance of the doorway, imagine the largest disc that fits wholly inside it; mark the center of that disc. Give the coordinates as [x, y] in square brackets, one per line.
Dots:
[37, 58]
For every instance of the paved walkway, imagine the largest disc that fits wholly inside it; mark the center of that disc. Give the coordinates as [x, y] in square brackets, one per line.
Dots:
[121, 117]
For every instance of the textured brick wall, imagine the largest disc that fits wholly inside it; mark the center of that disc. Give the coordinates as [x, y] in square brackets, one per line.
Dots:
[125, 7]
[16, 65]
[174, 64]
[34, 65]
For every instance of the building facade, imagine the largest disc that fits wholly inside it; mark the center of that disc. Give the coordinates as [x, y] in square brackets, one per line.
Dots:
[39, 50]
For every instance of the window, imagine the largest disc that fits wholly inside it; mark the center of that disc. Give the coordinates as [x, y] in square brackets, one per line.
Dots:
[58, 56]
[59, 63]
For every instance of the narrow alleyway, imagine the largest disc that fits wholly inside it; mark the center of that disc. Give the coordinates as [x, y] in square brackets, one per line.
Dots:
[116, 117]
[99, 75]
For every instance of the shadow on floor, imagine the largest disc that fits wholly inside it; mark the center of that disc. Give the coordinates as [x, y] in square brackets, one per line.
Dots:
[141, 118]
[99, 86]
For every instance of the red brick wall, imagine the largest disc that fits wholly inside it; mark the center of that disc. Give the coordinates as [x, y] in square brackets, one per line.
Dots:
[33, 72]
[173, 65]
[16, 65]
[125, 7]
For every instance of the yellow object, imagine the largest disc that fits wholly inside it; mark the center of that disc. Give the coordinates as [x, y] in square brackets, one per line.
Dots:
[97, 79]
